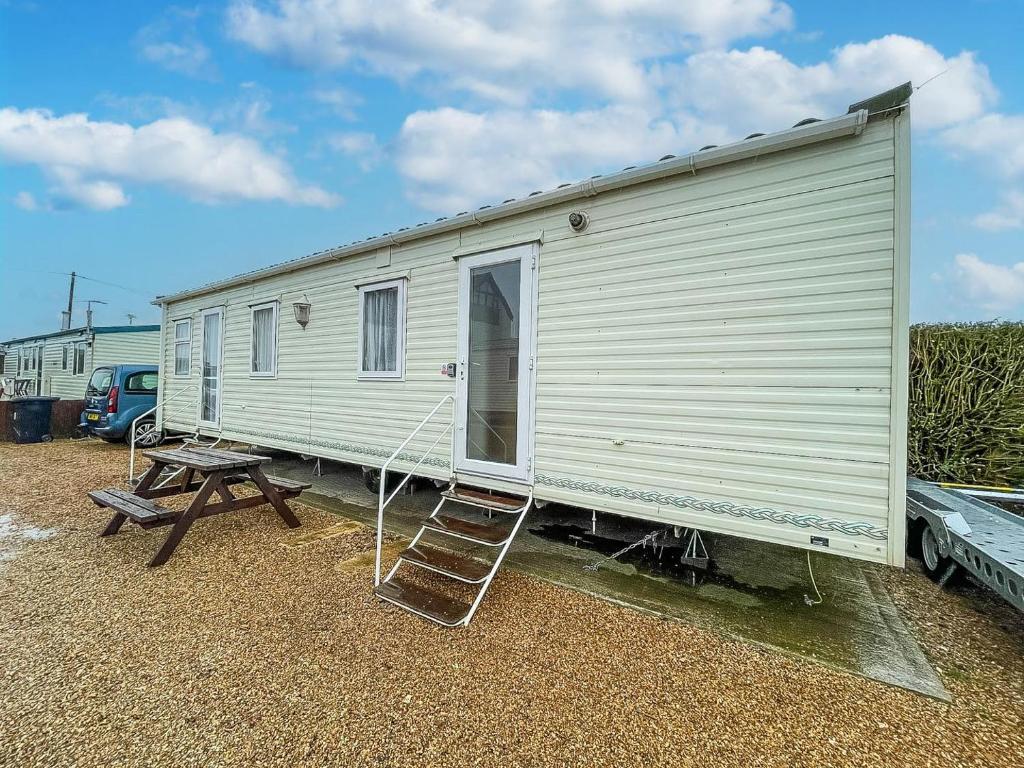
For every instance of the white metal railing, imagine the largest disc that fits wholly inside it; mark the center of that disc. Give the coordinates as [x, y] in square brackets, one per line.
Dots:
[381, 501]
[135, 421]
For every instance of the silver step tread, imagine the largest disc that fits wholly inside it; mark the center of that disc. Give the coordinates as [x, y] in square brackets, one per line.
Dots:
[490, 535]
[423, 602]
[495, 501]
[446, 563]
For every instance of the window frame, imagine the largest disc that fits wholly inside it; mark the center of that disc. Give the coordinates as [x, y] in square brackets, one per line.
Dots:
[74, 369]
[174, 348]
[274, 307]
[401, 283]
[64, 356]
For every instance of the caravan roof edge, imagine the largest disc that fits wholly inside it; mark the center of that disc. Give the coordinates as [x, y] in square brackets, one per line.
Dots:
[850, 124]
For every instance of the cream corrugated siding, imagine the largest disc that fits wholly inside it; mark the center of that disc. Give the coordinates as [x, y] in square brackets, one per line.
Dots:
[126, 348]
[104, 349]
[731, 329]
[59, 382]
[11, 360]
[54, 381]
[317, 366]
[739, 352]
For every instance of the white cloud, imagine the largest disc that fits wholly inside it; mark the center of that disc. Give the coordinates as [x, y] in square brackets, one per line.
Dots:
[342, 101]
[89, 161]
[173, 43]
[665, 63]
[1009, 215]
[249, 112]
[996, 287]
[501, 50]
[996, 139]
[454, 160]
[361, 147]
[187, 57]
[760, 89]
[73, 191]
[26, 201]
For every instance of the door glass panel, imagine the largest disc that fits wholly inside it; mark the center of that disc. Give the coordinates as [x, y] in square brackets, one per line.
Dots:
[493, 391]
[211, 367]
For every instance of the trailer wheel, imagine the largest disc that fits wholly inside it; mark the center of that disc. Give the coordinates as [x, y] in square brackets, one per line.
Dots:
[371, 479]
[935, 565]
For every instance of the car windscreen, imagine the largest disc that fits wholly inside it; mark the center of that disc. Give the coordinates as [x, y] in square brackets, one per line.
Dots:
[99, 384]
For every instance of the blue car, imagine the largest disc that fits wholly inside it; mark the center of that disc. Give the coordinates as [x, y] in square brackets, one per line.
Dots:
[115, 396]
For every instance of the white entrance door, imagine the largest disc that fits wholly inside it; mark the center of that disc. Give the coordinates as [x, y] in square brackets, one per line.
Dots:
[211, 369]
[494, 386]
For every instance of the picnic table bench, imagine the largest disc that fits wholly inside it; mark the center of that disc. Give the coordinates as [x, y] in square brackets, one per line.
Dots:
[205, 472]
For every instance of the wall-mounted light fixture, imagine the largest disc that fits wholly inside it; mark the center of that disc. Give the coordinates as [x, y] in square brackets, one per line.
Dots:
[301, 309]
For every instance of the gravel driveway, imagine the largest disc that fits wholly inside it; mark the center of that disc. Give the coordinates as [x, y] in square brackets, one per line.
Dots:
[242, 651]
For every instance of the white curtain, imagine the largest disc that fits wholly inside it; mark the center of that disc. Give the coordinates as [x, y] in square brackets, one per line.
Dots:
[181, 355]
[211, 366]
[263, 340]
[380, 330]
[182, 347]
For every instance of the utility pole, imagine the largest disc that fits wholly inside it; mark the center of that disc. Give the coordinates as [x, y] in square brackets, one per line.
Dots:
[65, 322]
[131, 318]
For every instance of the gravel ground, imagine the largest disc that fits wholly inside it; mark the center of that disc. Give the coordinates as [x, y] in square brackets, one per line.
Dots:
[242, 651]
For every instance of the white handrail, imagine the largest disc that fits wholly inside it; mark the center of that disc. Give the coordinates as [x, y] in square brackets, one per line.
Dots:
[381, 502]
[135, 421]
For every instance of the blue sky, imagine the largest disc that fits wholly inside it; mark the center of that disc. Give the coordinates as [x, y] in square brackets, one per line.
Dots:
[154, 147]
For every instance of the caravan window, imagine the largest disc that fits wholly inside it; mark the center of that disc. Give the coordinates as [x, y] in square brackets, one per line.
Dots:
[263, 356]
[182, 347]
[79, 359]
[64, 357]
[382, 330]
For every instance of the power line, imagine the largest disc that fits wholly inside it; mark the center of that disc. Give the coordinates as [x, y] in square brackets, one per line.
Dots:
[136, 291]
[115, 285]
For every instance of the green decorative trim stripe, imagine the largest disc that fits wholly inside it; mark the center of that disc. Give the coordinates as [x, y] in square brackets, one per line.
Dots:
[359, 450]
[781, 517]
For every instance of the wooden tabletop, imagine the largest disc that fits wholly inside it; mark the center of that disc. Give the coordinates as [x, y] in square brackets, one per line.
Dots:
[206, 459]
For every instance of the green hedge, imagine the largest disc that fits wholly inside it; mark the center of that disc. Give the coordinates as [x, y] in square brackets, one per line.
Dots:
[967, 403]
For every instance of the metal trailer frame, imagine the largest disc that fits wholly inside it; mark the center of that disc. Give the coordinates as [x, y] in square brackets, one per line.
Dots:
[980, 537]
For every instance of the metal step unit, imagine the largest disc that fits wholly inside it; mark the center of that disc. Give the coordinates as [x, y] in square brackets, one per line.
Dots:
[444, 553]
[958, 529]
[444, 560]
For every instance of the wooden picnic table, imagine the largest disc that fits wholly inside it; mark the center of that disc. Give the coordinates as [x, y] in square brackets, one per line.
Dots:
[205, 472]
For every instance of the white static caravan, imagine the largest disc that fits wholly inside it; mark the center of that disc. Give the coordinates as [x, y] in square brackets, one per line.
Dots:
[58, 364]
[716, 341]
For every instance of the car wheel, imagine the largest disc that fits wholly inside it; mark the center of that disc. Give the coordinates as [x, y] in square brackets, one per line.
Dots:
[147, 435]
